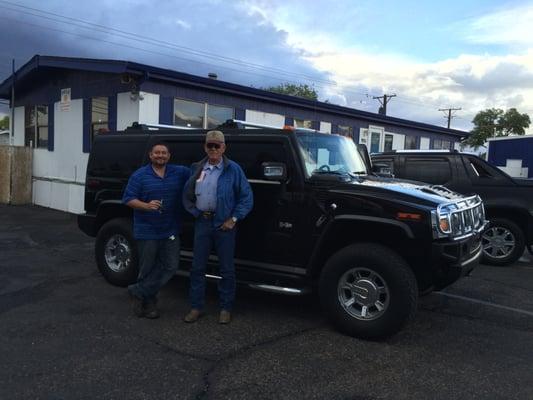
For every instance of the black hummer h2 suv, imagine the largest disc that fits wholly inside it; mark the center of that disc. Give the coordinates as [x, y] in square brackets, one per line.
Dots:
[321, 220]
[508, 202]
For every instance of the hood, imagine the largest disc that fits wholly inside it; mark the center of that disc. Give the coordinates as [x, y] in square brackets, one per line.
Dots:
[404, 189]
[523, 182]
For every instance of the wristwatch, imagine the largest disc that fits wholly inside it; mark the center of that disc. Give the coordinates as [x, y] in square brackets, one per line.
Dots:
[234, 219]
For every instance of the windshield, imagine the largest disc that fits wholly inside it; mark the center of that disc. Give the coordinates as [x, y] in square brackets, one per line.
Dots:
[324, 153]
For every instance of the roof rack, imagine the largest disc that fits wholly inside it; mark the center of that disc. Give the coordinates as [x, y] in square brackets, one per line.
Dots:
[426, 151]
[152, 127]
[240, 124]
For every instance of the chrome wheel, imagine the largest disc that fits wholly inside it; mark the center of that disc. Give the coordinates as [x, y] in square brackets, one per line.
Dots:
[117, 253]
[498, 242]
[363, 294]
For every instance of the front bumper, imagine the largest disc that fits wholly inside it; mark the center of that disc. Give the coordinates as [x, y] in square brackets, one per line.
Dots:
[87, 224]
[453, 260]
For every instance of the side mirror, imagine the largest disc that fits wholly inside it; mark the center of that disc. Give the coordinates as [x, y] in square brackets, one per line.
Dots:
[384, 170]
[274, 171]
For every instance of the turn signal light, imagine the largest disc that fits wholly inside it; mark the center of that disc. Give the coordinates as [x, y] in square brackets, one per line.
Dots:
[409, 216]
[444, 225]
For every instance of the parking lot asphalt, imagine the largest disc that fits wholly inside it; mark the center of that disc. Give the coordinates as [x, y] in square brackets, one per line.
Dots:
[67, 334]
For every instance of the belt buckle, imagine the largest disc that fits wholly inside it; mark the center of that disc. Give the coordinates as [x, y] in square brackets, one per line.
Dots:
[208, 214]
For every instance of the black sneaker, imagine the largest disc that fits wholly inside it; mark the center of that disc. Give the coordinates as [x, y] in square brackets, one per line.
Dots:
[151, 311]
[137, 305]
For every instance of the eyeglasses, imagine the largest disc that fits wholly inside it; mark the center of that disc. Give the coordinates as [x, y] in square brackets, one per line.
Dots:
[212, 146]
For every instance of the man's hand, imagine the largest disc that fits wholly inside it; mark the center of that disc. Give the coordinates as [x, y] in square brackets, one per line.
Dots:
[153, 205]
[228, 225]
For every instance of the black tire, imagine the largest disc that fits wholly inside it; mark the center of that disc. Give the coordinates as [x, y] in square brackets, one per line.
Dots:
[117, 234]
[385, 269]
[507, 230]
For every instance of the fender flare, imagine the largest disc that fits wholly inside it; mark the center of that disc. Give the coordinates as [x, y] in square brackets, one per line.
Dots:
[346, 217]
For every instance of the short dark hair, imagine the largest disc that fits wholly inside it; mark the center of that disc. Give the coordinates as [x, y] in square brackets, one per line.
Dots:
[159, 144]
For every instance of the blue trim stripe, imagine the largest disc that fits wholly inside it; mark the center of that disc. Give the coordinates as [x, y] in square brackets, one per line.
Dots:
[166, 106]
[51, 126]
[86, 125]
[240, 114]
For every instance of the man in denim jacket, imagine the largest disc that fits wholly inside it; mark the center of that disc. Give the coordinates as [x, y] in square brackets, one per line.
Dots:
[218, 195]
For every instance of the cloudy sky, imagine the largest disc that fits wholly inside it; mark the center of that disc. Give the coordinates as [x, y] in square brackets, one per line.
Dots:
[471, 54]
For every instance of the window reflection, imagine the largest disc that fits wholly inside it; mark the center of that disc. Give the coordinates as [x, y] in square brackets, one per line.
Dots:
[217, 115]
[188, 113]
[36, 126]
[99, 115]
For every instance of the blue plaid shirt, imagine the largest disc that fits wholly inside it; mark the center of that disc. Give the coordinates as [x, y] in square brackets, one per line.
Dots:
[145, 185]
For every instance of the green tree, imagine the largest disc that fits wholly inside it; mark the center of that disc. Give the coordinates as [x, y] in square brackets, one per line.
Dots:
[301, 90]
[4, 123]
[494, 122]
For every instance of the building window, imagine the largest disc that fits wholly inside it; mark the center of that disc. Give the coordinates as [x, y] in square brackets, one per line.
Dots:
[217, 115]
[303, 123]
[190, 114]
[410, 142]
[363, 136]
[99, 116]
[36, 126]
[344, 130]
[193, 114]
[387, 145]
[441, 144]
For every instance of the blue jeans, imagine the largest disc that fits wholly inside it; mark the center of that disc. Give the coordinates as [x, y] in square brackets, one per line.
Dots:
[207, 236]
[158, 262]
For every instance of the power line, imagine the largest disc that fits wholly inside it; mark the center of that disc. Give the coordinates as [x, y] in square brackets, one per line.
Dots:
[153, 41]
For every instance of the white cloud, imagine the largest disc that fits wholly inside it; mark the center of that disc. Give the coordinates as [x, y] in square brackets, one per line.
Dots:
[183, 24]
[509, 26]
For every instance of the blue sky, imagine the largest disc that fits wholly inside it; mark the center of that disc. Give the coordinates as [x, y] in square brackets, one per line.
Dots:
[469, 54]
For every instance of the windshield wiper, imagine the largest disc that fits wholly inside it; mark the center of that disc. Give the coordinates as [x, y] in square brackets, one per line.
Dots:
[324, 172]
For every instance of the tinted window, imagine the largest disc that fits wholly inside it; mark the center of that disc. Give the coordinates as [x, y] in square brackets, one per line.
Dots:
[480, 169]
[115, 158]
[186, 152]
[436, 171]
[250, 156]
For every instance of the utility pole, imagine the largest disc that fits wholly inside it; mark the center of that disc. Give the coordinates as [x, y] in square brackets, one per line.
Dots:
[450, 116]
[12, 131]
[386, 98]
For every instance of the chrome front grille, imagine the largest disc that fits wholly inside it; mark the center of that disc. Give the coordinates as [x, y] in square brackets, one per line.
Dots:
[464, 221]
[465, 216]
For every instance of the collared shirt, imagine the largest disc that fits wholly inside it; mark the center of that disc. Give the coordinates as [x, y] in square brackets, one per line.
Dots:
[145, 185]
[206, 186]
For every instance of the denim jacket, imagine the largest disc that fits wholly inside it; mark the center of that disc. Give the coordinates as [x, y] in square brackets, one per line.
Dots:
[234, 194]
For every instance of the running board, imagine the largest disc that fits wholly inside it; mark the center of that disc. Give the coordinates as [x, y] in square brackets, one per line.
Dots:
[256, 286]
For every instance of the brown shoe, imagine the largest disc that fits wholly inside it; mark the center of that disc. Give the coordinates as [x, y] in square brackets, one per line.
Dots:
[225, 317]
[137, 305]
[193, 315]
[151, 311]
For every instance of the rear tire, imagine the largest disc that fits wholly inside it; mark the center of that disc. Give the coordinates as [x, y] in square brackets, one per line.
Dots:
[503, 242]
[116, 252]
[368, 291]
